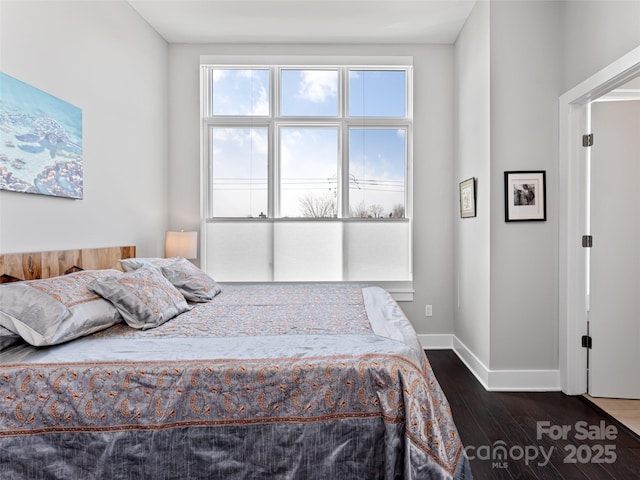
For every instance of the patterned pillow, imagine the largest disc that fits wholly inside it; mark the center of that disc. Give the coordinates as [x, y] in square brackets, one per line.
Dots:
[193, 283]
[57, 309]
[144, 298]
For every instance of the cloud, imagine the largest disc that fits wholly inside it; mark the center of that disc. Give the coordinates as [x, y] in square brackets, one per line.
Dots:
[261, 103]
[316, 85]
[259, 95]
[240, 92]
[217, 75]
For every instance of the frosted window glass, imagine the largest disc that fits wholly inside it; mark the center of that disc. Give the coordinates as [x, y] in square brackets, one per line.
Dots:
[239, 251]
[308, 251]
[378, 250]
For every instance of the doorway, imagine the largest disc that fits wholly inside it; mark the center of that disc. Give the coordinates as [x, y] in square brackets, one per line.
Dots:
[613, 261]
[573, 196]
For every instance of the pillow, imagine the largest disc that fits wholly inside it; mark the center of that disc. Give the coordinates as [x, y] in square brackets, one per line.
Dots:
[7, 338]
[144, 298]
[57, 309]
[30, 313]
[131, 264]
[193, 283]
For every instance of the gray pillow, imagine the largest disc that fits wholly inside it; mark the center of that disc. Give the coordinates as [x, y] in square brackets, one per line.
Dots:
[144, 298]
[193, 283]
[57, 309]
[30, 313]
[131, 264]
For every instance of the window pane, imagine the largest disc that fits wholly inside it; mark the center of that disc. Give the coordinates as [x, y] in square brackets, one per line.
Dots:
[375, 93]
[308, 172]
[239, 92]
[311, 93]
[239, 172]
[239, 251]
[307, 251]
[377, 172]
[378, 251]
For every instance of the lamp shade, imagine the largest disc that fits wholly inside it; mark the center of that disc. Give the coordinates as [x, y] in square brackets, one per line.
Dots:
[181, 244]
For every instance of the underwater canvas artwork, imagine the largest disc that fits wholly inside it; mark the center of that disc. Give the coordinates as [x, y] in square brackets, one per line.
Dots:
[40, 141]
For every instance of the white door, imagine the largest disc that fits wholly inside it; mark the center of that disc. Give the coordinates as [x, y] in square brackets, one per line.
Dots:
[614, 316]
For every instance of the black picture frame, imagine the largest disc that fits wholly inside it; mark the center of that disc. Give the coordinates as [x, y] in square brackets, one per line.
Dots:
[525, 196]
[468, 198]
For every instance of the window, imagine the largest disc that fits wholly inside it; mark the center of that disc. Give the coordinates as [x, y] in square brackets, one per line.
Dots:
[239, 92]
[308, 171]
[238, 171]
[309, 93]
[316, 153]
[377, 172]
[377, 93]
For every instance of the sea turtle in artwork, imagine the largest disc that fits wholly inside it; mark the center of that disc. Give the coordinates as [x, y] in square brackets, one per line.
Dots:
[46, 133]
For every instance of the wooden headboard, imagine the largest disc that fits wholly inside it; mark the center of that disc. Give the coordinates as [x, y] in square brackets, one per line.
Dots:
[34, 265]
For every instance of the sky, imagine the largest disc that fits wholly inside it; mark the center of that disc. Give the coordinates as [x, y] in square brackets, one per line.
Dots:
[309, 153]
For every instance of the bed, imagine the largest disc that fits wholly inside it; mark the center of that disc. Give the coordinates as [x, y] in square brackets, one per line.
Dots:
[268, 381]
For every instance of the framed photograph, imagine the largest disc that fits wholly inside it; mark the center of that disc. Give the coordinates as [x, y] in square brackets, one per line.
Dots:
[468, 198]
[525, 196]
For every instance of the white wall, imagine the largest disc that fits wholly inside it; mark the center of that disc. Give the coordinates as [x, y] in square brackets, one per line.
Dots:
[103, 58]
[596, 33]
[526, 74]
[473, 159]
[433, 158]
[509, 70]
[536, 51]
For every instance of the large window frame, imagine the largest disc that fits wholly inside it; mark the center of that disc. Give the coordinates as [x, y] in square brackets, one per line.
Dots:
[275, 123]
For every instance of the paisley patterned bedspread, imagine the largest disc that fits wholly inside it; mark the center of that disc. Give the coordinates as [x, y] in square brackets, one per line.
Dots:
[264, 381]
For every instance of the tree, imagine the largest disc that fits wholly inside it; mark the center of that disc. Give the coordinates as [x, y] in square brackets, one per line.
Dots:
[376, 210]
[318, 206]
[360, 211]
[397, 211]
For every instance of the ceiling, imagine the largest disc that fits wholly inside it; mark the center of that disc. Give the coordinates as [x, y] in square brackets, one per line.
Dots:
[306, 21]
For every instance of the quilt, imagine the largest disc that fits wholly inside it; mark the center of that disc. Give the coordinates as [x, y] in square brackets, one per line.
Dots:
[263, 381]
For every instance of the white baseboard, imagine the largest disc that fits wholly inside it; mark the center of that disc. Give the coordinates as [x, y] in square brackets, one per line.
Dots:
[473, 363]
[494, 380]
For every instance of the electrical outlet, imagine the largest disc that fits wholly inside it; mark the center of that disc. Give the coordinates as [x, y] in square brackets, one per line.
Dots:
[428, 310]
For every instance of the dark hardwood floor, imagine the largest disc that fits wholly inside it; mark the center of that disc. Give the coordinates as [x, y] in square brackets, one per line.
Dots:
[546, 435]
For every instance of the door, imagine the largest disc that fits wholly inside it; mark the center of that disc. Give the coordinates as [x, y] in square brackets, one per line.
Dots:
[614, 299]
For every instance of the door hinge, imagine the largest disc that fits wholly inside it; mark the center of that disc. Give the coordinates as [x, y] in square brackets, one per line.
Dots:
[586, 341]
[587, 140]
[587, 241]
